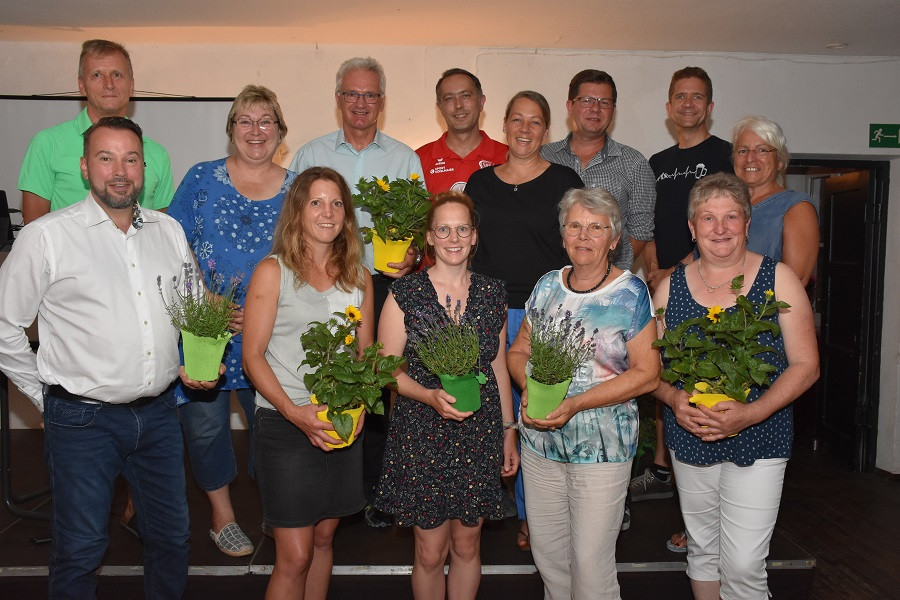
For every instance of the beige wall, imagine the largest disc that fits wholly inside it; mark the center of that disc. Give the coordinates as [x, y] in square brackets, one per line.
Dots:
[824, 104]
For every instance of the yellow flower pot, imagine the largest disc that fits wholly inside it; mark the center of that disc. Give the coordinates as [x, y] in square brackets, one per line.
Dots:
[203, 355]
[389, 251]
[356, 413]
[709, 400]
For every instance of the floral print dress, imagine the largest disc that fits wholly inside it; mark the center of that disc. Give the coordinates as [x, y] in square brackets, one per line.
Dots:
[436, 469]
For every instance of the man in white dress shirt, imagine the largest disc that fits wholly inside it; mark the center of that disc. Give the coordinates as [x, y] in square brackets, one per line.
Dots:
[106, 366]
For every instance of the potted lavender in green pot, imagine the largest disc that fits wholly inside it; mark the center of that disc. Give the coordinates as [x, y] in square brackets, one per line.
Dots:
[203, 314]
[558, 348]
[448, 348]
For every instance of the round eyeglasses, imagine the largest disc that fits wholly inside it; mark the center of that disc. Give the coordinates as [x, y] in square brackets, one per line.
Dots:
[353, 97]
[595, 230]
[443, 231]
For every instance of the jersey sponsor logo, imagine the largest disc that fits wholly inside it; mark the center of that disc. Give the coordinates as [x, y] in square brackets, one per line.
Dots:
[485, 163]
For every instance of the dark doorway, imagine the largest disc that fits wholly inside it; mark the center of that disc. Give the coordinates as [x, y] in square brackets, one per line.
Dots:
[841, 411]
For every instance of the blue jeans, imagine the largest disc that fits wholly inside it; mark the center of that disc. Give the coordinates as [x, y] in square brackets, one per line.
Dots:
[514, 318]
[206, 421]
[86, 447]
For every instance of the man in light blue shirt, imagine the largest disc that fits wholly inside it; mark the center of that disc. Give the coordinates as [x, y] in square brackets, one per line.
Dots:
[358, 150]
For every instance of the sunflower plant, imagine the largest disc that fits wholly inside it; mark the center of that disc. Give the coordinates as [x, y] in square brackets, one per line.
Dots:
[398, 207]
[723, 347]
[343, 380]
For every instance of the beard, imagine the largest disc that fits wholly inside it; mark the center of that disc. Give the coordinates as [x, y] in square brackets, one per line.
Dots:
[114, 201]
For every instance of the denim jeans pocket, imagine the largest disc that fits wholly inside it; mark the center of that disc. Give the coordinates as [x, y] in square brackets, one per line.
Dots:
[69, 413]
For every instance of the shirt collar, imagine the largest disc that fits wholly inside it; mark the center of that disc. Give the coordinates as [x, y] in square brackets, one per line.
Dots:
[94, 213]
[342, 141]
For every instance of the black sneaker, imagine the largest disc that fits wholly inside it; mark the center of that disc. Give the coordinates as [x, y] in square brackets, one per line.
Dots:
[649, 487]
[377, 518]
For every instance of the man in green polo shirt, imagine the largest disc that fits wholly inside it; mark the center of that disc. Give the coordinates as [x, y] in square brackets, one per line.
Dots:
[51, 178]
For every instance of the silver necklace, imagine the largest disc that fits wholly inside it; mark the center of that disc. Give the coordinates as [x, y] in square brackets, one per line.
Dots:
[712, 288]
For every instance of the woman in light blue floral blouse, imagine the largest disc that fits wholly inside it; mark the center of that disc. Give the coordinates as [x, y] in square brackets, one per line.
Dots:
[576, 462]
[228, 209]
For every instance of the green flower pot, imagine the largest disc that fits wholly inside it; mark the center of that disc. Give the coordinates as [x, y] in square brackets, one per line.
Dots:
[203, 355]
[543, 399]
[465, 388]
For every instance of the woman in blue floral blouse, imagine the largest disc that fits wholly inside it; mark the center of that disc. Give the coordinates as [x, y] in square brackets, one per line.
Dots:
[228, 209]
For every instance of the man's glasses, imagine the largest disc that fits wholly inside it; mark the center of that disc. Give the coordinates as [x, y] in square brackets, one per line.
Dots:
[595, 230]
[443, 231]
[265, 123]
[589, 101]
[353, 97]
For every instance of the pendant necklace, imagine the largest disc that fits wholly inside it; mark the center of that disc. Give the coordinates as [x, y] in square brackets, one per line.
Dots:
[569, 280]
[711, 288]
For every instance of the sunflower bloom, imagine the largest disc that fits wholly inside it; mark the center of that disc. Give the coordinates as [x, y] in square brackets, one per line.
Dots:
[353, 314]
[383, 185]
[769, 294]
[414, 176]
[714, 313]
[348, 340]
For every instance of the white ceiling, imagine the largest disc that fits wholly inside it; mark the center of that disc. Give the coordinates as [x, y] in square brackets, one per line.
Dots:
[870, 27]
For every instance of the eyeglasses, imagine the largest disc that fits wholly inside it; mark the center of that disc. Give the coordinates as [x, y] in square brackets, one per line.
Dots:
[443, 231]
[353, 97]
[759, 151]
[595, 230]
[265, 123]
[589, 101]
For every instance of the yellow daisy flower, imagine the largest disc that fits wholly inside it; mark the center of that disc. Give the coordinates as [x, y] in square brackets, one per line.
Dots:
[348, 340]
[714, 312]
[769, 294]
[383, 185]
[353, 314]
[414, 176]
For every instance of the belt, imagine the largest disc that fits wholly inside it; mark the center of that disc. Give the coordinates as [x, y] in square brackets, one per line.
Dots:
[59, 391]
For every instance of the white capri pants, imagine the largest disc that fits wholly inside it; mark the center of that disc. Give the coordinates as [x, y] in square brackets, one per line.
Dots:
[574, 513]
[729, 514]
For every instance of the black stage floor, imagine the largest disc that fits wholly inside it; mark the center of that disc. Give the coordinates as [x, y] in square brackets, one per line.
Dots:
[372, 563]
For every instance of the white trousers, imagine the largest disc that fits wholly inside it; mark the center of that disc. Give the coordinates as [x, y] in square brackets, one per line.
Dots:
[574, 514]
[729, 514]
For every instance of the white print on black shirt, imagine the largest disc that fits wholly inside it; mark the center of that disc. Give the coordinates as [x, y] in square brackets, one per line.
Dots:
[698, 172]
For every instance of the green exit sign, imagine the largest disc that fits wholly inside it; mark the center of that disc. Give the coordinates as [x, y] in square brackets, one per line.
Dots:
[883, 135]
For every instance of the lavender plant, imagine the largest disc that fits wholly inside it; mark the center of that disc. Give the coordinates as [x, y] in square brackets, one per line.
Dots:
[204, 311]
[558, 347]
[445, 345]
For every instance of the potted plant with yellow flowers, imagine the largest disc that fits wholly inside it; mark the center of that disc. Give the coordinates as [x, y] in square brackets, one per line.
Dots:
[719, 354]
[203, 314]
[558, 347]
[343, 380]
[398, 208]
[449, 348]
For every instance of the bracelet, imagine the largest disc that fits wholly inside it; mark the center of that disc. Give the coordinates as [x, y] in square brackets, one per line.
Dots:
[511, 425]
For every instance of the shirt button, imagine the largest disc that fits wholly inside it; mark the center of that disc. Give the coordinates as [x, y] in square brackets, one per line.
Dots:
[145, 322]
[149, 353]
[139, 293]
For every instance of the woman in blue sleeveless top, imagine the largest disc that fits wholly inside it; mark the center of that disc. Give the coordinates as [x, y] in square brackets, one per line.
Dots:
[730, 487]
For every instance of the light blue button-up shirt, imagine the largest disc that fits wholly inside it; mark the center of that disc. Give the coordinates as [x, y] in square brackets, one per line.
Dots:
[384, 157]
